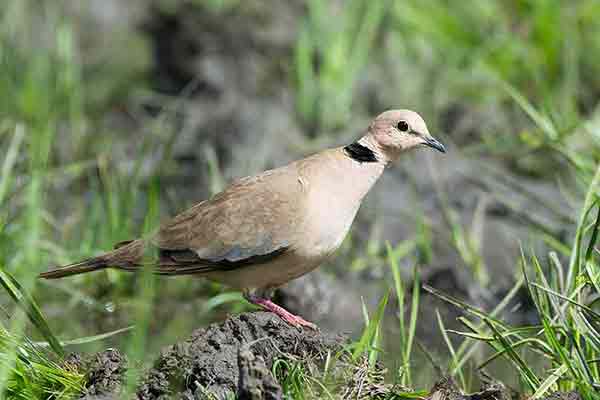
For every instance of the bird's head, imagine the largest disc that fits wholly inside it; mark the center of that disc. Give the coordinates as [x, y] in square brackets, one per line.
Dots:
[396, 131]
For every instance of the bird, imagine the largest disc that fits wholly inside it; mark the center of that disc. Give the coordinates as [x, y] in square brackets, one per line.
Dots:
[264, 230]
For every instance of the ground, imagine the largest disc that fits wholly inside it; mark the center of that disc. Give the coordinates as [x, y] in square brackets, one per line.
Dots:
[237, 356]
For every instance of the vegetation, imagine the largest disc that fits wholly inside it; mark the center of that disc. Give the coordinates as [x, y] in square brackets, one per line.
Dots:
[523, 77]
[567, 336]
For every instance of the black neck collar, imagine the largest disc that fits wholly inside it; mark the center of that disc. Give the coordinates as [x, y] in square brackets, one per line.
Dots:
[360, 153]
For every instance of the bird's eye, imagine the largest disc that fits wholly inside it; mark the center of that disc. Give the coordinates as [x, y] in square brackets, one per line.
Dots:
[403, 126]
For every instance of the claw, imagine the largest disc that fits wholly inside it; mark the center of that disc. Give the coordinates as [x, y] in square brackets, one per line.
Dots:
[284, 314]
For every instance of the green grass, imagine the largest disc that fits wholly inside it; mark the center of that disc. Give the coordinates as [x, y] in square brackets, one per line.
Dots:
[39, 84]
[56, 148]
[564, 294]
[407, 331]
[567, 338]
[330, 58]
[546, 48]
[354, 372]
[34, 374]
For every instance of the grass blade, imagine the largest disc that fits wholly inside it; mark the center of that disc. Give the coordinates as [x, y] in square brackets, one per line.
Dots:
[549, 382]
[89, 339]
[454, 360]
[31, 309]
[567, 299]
[369, 333]
[10, 160]
[588, 204]
[412, 326]
[530, 378]
[462, 305]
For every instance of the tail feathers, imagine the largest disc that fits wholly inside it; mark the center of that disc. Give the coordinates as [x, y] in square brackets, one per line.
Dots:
[91, 264]
[126, 256]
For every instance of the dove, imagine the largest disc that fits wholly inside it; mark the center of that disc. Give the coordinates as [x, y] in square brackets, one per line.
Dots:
[264, 230]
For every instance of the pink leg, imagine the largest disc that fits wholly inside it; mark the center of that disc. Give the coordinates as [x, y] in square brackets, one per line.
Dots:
[280, 311]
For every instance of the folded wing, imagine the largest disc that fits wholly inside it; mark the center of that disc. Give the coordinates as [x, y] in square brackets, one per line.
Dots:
[253, 221]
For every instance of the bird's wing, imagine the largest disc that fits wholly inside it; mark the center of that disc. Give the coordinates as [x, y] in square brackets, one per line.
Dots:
[252, 221]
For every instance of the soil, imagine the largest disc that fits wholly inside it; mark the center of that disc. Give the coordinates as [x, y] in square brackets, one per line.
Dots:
[104, 373]
[232, 357]
[236, 357]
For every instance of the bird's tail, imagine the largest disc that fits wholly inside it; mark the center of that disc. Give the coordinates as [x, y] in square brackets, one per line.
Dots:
[91, 264]
[127, 255]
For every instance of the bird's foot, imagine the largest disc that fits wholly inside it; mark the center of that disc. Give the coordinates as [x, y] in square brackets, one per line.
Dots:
[284, 314]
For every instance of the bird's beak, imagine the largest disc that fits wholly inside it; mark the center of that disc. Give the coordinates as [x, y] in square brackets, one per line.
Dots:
[435, 144]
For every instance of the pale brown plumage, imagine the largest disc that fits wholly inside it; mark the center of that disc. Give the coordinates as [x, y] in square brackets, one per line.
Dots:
[264, 230]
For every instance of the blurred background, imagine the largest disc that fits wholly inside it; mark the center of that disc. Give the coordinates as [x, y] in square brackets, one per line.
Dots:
[115, 115]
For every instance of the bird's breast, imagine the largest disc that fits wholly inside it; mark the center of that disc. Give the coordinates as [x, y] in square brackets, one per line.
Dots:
[334, 194]
[328, 221]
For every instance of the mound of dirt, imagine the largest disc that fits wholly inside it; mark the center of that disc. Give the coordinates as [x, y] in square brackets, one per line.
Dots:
[105, 372]
[232, 357]
[235, 358]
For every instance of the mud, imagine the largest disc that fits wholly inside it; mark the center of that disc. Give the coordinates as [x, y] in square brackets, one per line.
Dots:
[236, 357]
[104, 373]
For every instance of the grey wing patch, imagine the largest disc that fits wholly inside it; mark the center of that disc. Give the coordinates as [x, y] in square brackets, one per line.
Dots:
[180, 262]
[263, 246]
